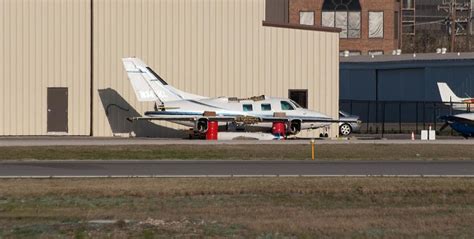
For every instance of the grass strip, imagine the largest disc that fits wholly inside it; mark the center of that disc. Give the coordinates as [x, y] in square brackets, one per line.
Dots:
[244, 152]
[231, 207]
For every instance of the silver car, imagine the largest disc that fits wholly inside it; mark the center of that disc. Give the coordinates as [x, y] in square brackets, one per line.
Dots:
[352, 125]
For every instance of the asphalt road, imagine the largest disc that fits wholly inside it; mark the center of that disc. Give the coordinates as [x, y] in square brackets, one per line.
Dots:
[99, 141]
[233, 168]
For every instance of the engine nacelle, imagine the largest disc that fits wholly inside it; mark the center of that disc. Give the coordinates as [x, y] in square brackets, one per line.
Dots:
[294, 127]
[201, 126]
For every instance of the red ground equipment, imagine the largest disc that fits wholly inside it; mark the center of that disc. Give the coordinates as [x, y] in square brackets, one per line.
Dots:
[212, 130]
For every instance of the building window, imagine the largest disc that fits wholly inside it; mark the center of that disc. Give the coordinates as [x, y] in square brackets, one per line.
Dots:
[266, 107]
[408, 4]
[344, 14]
[375, 53]
[247, 107]
[300, 97]
[276, 11]
[396, 19]
[328, 19]
[353, 25]
[307, 18]
[375, 24]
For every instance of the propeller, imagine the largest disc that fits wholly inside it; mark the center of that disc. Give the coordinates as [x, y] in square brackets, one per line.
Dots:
[446, 120]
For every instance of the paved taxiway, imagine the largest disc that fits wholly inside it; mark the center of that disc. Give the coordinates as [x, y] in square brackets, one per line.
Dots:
[139, 168]
[98, 141]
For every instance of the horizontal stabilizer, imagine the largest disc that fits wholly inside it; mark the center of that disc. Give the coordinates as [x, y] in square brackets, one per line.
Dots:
[191, 118]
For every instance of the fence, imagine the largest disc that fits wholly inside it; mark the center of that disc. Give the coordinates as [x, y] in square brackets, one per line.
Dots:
[400, 117]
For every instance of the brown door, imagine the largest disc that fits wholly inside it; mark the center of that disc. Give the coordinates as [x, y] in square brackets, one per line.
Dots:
[299, 96]
[57, 110]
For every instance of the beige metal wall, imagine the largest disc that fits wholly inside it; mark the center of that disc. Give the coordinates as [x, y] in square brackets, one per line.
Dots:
[43, 43]
[207, 47]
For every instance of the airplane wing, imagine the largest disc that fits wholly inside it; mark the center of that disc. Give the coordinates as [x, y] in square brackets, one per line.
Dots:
[304, 120]
[454, 118]
[180, 116]
[167, 116]
[184, 118]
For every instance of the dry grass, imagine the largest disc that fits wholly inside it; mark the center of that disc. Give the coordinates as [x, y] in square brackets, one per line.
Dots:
[245, 152]
[248, 207]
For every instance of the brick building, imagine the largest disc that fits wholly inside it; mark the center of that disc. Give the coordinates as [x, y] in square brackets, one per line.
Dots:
[368, 27]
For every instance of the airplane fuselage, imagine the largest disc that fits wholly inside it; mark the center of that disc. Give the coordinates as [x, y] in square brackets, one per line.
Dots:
[231, 107]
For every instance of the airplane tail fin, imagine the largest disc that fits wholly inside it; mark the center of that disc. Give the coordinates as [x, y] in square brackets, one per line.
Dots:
[447, 95]
[149, 86]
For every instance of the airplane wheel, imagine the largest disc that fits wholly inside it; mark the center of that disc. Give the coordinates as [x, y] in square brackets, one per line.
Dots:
[345, 129]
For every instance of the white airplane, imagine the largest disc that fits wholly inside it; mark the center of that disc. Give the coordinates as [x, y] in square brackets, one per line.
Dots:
[255, 113]
[462, 123]
[448, 97]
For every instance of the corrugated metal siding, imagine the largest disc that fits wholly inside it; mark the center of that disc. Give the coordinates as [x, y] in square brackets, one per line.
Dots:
[206, 47]
[43, 43]
[210, 47]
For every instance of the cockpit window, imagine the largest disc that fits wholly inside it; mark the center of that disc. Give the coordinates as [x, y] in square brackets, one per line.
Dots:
[285, 105]
[247, 107]
[296, 104]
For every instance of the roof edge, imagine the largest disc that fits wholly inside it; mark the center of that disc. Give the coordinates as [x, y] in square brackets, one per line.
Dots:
[302, 27]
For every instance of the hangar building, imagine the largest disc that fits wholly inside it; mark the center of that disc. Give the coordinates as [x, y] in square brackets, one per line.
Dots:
[61, 70]
[401, 90]
[404, 77]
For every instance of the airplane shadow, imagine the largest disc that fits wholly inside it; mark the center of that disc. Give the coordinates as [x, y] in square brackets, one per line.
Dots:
[117, 110]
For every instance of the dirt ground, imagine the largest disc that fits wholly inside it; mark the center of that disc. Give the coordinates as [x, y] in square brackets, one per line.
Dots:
[246, 152]
[238, 207]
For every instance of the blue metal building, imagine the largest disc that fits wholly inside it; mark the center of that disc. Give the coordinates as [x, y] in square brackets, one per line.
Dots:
[402, 89]
[405, 77]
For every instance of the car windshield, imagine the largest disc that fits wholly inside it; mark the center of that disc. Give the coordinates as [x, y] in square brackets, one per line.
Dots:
[343, 113]
[296, 104]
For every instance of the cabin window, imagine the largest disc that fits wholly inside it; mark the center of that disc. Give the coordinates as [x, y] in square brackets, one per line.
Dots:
[247, 107]
[285, 105]
[266, 107]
